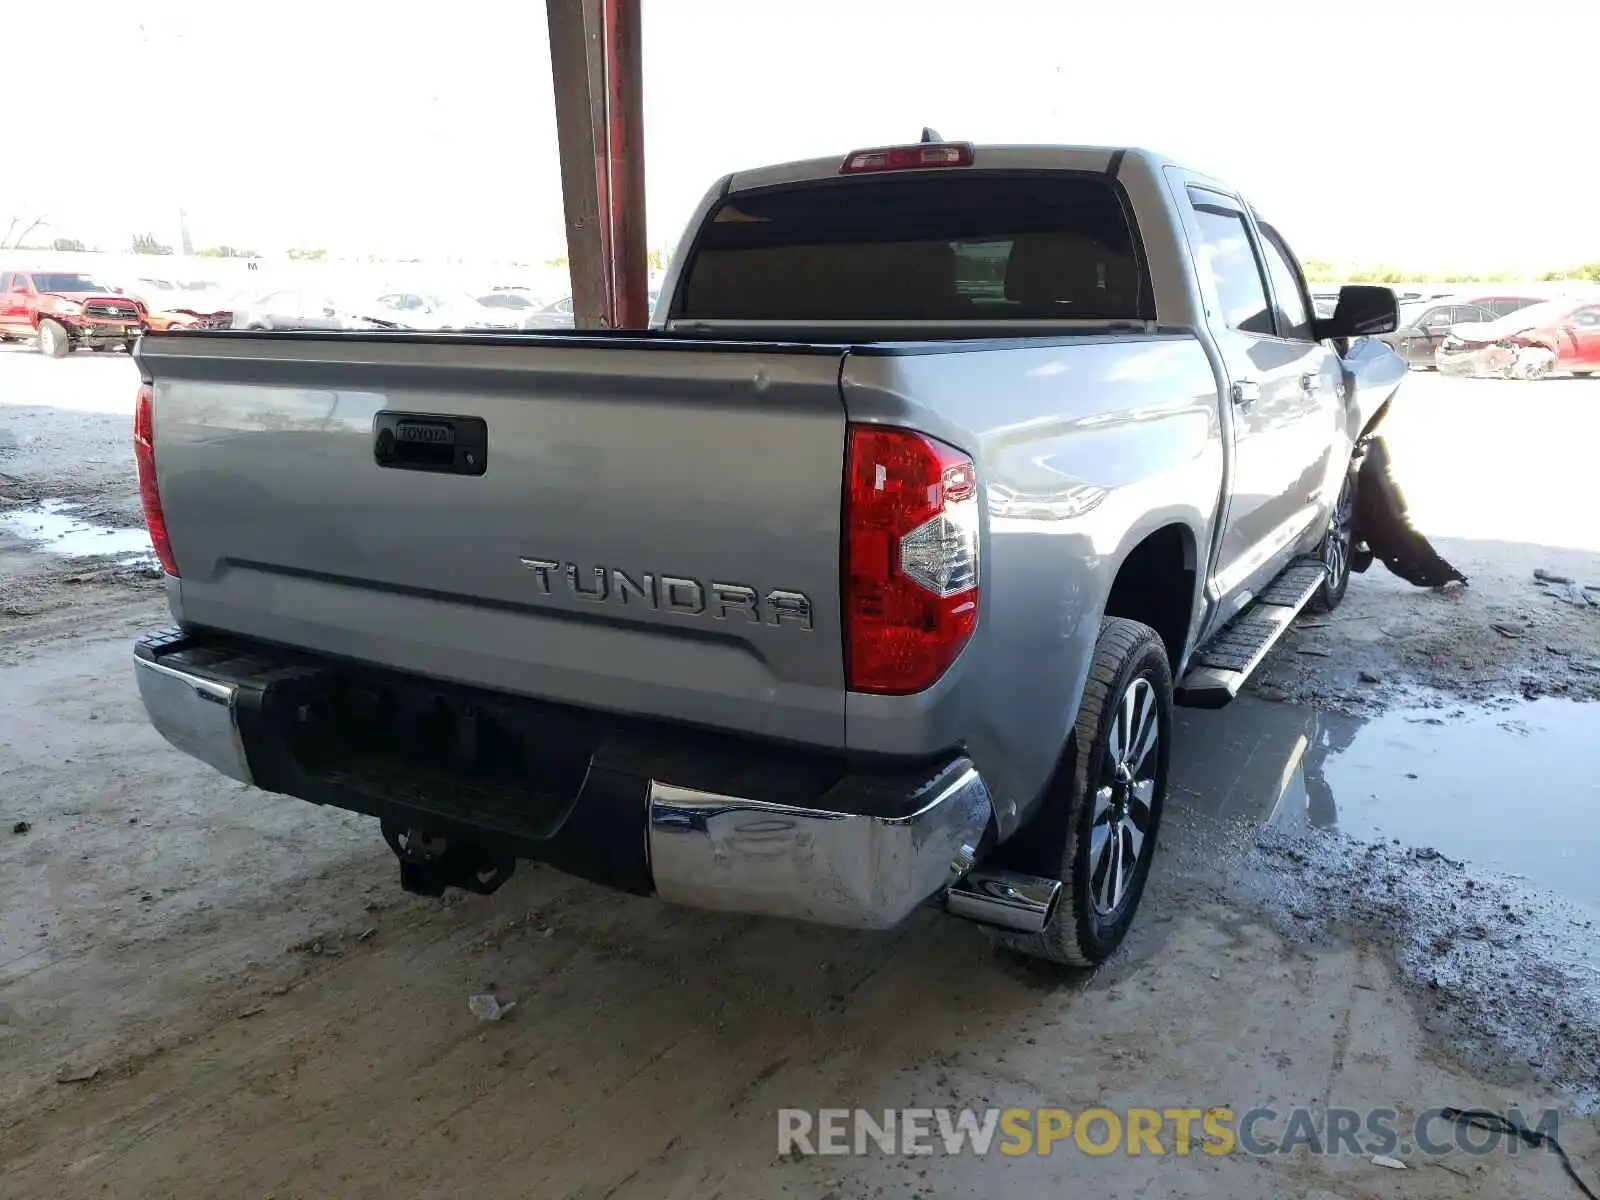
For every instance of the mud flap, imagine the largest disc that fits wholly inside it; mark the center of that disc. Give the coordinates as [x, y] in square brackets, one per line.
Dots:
[1383, 528]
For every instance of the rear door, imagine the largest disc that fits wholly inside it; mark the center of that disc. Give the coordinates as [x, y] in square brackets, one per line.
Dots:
[1284, 390]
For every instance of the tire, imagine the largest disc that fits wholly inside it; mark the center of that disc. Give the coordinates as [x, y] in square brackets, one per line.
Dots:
[54, 341]
[1583, 374]
[1338, 550]
[1130, 683]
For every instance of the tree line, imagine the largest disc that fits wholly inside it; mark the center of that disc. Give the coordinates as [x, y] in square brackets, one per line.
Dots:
[1321, 271]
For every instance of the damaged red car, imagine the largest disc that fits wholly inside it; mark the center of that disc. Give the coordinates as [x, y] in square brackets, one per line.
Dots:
[1555, 336]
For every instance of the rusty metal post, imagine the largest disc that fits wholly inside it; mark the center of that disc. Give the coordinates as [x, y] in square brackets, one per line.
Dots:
[624, 92]
[582, 157]
[594, 17]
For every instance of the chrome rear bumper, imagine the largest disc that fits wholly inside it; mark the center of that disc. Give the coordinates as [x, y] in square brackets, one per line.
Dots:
[832, 868]
[199, 716]
[883, 844]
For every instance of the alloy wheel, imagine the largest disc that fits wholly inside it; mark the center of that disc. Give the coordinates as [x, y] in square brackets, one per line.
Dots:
[1336, 546]
[1122, 804]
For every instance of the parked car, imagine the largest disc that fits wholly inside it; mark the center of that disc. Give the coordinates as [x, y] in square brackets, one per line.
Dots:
[1554, 336]
[560, 314]
[556, 315]
[63, 311]
[862, 589]
[169, 304]
[517, 305]
[443, 311]
[202, 295]
[167, 319]
[295, 308]
[1420, 335]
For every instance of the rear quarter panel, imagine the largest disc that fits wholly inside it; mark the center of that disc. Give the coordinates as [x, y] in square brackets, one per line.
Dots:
[1084, 446]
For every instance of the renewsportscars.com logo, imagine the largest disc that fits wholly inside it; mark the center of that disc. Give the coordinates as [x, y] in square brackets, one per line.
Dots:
[1156, 1131]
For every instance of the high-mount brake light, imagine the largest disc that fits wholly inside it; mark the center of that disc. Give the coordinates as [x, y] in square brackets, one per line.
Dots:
[910, 559]
[144, 460]
[907, 158]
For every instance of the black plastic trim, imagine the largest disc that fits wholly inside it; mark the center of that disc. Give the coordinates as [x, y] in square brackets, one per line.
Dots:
[1017, 342]
[606, 339]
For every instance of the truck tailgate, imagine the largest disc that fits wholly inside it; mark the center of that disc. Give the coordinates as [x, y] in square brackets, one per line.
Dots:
[647, 528]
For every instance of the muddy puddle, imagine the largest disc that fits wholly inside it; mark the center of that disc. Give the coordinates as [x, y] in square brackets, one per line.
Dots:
[1513, 789]
[1462, 841]
[57, 527]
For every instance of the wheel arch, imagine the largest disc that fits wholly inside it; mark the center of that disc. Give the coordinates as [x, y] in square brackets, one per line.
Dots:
[1157, 582]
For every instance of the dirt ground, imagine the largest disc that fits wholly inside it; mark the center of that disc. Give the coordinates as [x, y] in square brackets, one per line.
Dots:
[210, 991]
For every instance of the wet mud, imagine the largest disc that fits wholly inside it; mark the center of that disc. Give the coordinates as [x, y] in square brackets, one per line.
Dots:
[1461, 841]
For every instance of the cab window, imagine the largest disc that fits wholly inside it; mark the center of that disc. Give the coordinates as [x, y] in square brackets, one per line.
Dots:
[1292, 312]
[1226, 254]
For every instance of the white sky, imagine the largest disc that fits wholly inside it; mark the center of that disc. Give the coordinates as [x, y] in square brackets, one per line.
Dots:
[1411, 131]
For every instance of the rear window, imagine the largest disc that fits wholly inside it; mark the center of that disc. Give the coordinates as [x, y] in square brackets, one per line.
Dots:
[936, 247]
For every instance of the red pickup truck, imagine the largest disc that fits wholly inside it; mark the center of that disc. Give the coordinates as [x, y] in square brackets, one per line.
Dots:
[64, 310]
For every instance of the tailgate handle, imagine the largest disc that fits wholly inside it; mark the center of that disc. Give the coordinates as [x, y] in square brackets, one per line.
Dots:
[446, 445]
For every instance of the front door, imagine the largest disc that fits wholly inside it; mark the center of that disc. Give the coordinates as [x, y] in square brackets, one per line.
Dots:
[1418, 341]
[1285, 393]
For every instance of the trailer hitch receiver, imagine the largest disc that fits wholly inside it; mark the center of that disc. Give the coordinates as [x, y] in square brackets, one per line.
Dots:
[429, 864]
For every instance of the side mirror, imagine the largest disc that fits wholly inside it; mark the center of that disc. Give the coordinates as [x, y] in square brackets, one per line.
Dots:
[1363, 310]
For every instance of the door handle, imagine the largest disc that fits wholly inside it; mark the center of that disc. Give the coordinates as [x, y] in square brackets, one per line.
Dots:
[1310, 381]
[1246, 392]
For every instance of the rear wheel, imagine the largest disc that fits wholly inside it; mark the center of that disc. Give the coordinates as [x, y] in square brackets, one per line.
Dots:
[54, 341]
[1113, 798]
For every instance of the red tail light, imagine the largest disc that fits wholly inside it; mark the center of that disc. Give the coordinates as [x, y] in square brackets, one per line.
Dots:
[905, 158]
[144, 457]
[910, 559]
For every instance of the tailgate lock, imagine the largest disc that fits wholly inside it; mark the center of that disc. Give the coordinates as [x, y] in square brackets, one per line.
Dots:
[434, 442]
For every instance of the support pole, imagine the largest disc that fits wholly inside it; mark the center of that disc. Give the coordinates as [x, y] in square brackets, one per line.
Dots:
[624, 92]
[582, 157]
[594, 17]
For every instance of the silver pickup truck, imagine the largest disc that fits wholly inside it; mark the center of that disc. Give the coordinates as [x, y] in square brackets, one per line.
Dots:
[865, 579]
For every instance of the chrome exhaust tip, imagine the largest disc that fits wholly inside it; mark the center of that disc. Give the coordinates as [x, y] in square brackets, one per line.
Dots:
[1005, 899]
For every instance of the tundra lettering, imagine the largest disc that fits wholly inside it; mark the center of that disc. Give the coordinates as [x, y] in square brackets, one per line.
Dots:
[675, 593]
